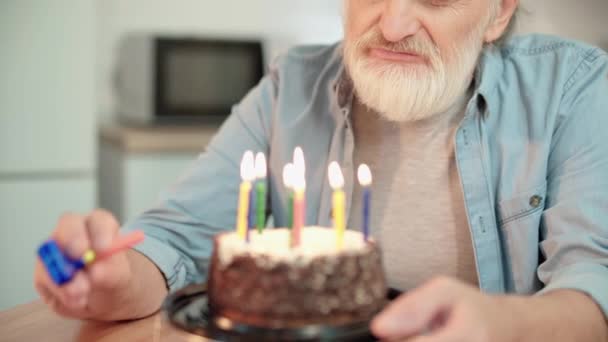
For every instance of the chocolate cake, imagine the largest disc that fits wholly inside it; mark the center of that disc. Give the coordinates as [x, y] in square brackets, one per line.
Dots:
[266, 283]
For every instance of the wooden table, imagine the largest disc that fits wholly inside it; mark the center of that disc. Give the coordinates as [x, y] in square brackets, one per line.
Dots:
[36, 322]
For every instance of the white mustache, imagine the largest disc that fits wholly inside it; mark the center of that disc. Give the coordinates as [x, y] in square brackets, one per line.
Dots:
[412, 45]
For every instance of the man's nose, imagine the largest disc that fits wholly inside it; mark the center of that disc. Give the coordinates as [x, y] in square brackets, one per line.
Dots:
[399, 20]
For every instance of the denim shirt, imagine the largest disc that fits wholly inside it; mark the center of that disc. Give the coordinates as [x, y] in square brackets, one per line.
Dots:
[532, 156]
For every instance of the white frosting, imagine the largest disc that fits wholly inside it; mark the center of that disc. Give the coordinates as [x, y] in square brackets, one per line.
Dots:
[274, 243]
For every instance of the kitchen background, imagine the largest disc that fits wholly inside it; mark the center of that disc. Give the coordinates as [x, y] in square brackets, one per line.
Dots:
[61, 148]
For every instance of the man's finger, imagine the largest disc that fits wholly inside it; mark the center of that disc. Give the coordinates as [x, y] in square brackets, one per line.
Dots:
[457, 327]
[107, 275]
[417, 311]
[43, 282]
[67, 303]
[71, 235]
[65, 311]
[102, 228]
[77, 291]
[46, 295]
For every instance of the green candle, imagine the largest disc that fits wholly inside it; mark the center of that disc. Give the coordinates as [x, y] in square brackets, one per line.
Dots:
[290, 210]
[260, 189]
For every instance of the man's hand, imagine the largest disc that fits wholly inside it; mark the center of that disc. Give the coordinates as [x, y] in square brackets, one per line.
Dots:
[446, 310]
[108, 289]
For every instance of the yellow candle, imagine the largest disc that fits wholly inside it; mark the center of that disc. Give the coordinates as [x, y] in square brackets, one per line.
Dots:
[247, 175]
[338, 203]
[336, 180]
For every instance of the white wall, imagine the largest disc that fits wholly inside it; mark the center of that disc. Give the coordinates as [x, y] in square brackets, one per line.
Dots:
[46, 86]
[47, 120]
[283, 22]
[578, 19]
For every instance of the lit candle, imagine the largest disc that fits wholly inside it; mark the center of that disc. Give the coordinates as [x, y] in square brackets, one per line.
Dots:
[299, 200]
[260, 190]
[299, 208]
[288, 173]
[336, 181]
[247, 175]
[251, 210]
[252, 205]
[365, 179]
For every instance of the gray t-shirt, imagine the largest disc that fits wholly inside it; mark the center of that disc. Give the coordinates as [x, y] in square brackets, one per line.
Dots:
[417, 210]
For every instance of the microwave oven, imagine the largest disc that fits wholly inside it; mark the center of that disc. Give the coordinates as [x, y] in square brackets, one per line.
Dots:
[162, 79]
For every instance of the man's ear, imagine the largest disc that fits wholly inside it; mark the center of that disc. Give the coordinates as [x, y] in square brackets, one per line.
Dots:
[501, 20]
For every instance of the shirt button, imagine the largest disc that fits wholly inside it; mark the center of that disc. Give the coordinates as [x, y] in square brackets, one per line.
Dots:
[535, 201]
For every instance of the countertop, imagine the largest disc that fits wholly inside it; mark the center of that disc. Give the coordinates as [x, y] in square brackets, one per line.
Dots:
[157, 138]
[36, 322]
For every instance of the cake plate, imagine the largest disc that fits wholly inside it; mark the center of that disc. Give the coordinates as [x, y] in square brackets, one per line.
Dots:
[187, 309]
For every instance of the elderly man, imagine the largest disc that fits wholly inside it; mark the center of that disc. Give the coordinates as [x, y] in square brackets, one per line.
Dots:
[490, 160]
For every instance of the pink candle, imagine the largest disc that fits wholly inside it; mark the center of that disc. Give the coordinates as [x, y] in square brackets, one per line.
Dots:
[299, 211]
[299, 198]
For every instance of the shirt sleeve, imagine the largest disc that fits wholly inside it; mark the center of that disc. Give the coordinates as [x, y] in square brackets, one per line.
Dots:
[574, 227]
[180, 228]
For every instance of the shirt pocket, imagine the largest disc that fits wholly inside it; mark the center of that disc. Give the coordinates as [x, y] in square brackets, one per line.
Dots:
[519, 219]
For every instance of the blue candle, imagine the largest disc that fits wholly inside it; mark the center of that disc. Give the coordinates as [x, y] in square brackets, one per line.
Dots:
[251, 214]
[366, 203]
[365, 180]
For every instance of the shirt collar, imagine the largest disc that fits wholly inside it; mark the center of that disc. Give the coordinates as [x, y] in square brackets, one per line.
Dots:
[488, 70]
[342, 86]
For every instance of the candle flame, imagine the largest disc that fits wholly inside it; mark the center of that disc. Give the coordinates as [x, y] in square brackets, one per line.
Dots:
[364, 175]
[260, 165]
[247, 167]
[298, 179]
[288, 173]
[298, 160]
[299, 183]
[336, 179]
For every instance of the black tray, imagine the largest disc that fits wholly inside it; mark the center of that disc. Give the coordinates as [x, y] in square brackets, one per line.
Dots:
[187, 309]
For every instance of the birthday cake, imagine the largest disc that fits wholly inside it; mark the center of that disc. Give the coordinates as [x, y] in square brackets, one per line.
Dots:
[266, 282]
